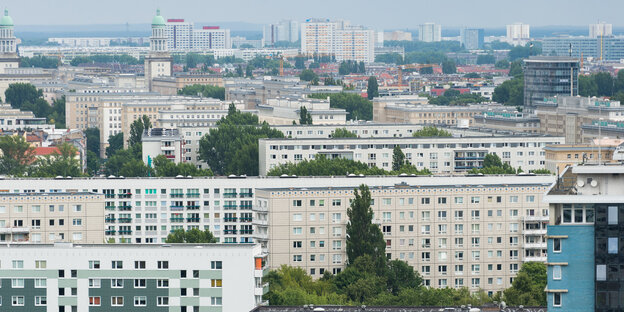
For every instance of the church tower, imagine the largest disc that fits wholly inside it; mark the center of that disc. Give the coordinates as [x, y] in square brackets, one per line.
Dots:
[158, 62]
[8, 46]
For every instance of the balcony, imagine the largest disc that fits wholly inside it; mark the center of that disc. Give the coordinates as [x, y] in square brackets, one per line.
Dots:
[246, 231]
[246, 195]
[535, 246]
[109, 195]
[192, 195]
[229, 232]
[229, 206]
[192, 207]
[260, 209]
[121, 232]
[260, 222]
[536, 218]
[192, 219]
[124, 207]
[125, 220]
[110, 232]
[229, 195]
[534, 232]
[176, 195]
[535, 259]
[229, 219]
[176, 207]
[176, 219]
[126, 195]
[109, 220]
[246, 207]
[246, 219]
[112, 207]
[10, 230]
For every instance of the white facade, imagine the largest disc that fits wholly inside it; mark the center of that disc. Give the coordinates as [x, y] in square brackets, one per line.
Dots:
[209, 277]
[430, 32]
[438, 154]
[159, 141]
[518, 31]
[211, 38]
[338, 39]
[179, 34]
[285, 30]
[600, 29]
[282, 111]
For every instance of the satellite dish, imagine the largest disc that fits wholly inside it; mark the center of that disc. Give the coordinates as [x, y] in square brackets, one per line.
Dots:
[593, 183]
[580, 183]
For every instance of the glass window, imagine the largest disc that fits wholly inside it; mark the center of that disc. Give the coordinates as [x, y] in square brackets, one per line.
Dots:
[613, 215]
[557, 245]
[567, 215]
[612, 245]
[601, 272]
[557, 272]
[557, 299]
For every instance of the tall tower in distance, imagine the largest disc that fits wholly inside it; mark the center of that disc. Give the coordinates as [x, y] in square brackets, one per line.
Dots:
[8, 47]
[158, 63]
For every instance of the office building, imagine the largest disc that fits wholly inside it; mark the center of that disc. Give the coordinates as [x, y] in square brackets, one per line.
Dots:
[98, 277]
[600, 29]
[8, 44]
[338, 39]
[471, 38]
[429, 32]
[158, 62]
[285, 30]
[171, 85]
[438, 154]
[286, 110]
[457, 232]
[179, 34]
[549, 76]
[518, 31]
[606, 48]
[584, 257]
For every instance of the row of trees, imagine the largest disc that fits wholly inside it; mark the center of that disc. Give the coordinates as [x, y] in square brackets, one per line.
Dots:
[454, 97]
[351, 67]
[492, 164]
[208, 91]
[602, 84]
[26, 97]
[39, 61]
[106, 58]
[18, 159]
[357, 107]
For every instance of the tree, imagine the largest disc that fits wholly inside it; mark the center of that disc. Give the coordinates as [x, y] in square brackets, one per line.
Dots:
[304, 116]
[502, 64]
[192, 236]
[93, 140]
[364, 237]
[57, 115]
[528, 286]
[308, 75]
[486, 59]
[492, 160]
[448, 67]
[515, 68]
[604, 82]
[164, 167]
[431, 131]
[372, 88]
[343, 133]
[398, 158]
[137, 128]
[208, 91]
[115, 143]
[299, 62]
[402, 276]
[17, 154]
[62, 163]
[19, 93]
[510, 92]
[93, 162]
[39, 61]
[492, 164]
[357, 107]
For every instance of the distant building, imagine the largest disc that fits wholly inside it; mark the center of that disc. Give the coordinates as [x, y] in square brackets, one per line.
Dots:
[159, 141]
[179, 34]
[159, 62]
[601, 29]
[547, 76]
[285, 30]
[518, 31]
[338, 39]
[8, 44]
[607, 48]
[471, 38]
[507, 121]
[171, 85]
[397, 35]
[182, 36]
[561, 156]
[429, 32]
[285, 110]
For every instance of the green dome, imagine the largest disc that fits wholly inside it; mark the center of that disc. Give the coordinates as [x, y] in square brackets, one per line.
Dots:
[157, 21]
[7, 20]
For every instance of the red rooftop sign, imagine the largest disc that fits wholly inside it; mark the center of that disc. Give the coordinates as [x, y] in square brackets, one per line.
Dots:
[175, 20]
[211, 27]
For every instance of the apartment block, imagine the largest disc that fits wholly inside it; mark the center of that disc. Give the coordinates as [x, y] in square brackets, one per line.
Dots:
[339, 39]
[429, 32]
[457, 232]
[584, 238]
[508, 121]
[40, 217]
[438, 154]
[188, 277]
[171, 85]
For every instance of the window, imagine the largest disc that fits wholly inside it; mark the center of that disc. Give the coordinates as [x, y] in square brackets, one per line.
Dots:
[17, 301]
[613, 215]
[216, 283]
[17, 283]
[215, 265]
[94, 265]
[163, 265]
[139, 283]
[601, 272]
[95, 301]
[117, 283]
[216, 301]
[117, 301]
[557, 299]
[162, 283]
[612, 245]
[459, 200]
[139, 265]
[40, 264]
[41, 283]
[95, 283]
[140, 301]
[162, 301]
[116, 264]
[18, 264]
[557, 272]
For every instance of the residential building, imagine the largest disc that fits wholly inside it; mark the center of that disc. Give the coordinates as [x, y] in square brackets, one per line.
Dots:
[159, 141]
[8, 44]
[183, 37]
[507, 121]
[471, 38]
[583, 239]
[600, 29]
[171, 85]
[179, 34]
[285, 30]
[286, 110]
[429, 32]
[10, 75]
[438, 154]
[607, 48]
[47, 217]
[518, 31]
[84, 42]
[338, 39]
[15, 119]
[107, 277]
[211, 38]
[158, 62]
[549, 76]
[561, 156]
[472, 232]
[397, 35]
[355, 308]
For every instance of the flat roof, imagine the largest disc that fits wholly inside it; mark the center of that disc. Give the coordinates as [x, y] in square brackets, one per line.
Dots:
[126, 246]
[598, 169]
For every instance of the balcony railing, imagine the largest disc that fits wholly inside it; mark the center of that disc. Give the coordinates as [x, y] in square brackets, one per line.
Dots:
[229, 231]
[246, 206]
[125, 220]
[177, 219]
[229, 195]
[246, 219]
[246, 231]
[193, 195]
[177, 207]
[124, 207]
[125, 231]
[110, 207]
[176, 195]
[109, 220]
[109, 232]
[245, 195]
[126, 195]
[229, 219]
[192, 219]
[229, 206]
[192, 207]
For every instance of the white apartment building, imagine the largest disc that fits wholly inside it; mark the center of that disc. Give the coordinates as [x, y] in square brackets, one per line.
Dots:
[14, 119]
[600, 29]
[518, 31]
[182, 36]
[429, 32]
[338, 39]
[159, 141]
[457, 232]
[438, 154]
[179, 34]
[42, 217]
[285, 30]
[184, 277]
[285, 110]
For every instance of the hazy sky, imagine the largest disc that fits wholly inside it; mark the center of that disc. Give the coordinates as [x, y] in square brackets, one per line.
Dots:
[373, 13]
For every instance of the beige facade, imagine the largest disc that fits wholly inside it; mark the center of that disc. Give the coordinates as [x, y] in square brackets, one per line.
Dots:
[559, 157]
[472, 235]
[416, 112]
[171, 85]
[51, 217]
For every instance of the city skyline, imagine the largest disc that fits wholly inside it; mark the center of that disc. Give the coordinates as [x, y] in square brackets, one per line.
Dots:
[489, 14]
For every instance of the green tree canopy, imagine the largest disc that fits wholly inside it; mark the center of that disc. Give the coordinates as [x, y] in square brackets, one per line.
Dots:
[308, 75]
[510, 92]
[19, 93]
[343, 133]
[17, 155]
[115, 143]
[63, 163]
[398, 158]
[528, 286]
[136, 129]
[431, 131]
[372, 88]
[486, 59]
[449, 67]
[164, 167]
[192, 236]
[357, 107]
[304, 116]
[364, 237]
[208, 91]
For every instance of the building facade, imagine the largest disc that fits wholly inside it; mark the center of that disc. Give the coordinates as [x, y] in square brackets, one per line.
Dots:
[601, 29]
[606, 48]
[158, 62]
[549, 76]
[188, 277]
[457, 232]
[438, 154]
[471, 38]
[285, 30]
[338, 39]
[429, 32]
[8, 44]
[518, 31]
